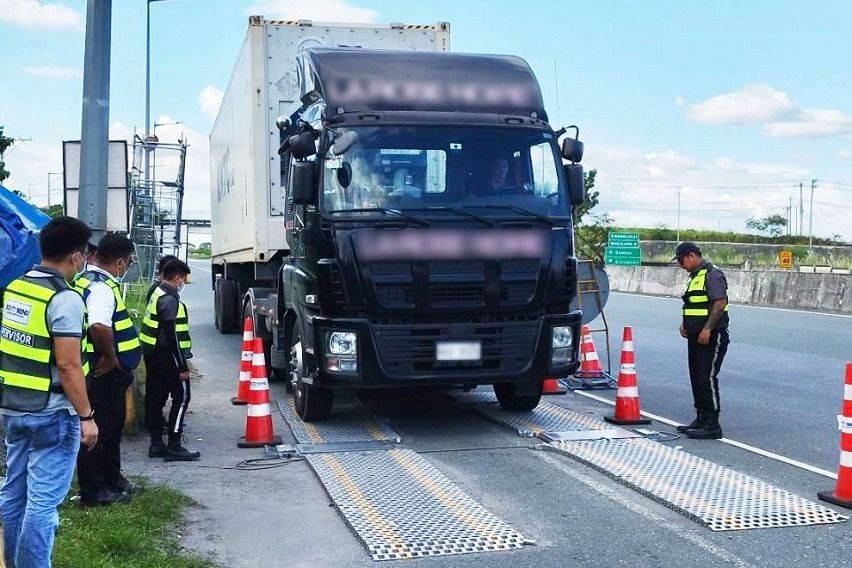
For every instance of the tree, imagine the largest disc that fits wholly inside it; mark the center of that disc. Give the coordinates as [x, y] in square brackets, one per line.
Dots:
[592, 238]
[54, 210]
[774, 224]
[5, 143]
[591, 199]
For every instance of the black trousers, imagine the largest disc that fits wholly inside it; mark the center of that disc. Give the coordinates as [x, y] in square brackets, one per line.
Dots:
[100, 467]
[163, 382]
[705, 361]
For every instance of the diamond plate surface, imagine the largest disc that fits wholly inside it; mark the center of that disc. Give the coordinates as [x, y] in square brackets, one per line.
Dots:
[721, 498]
[338, 428]
[401, 507]
[546, 417]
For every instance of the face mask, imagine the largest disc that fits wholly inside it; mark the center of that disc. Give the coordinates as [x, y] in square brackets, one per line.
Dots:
[181, 286]
[120, 279]
[82, 270]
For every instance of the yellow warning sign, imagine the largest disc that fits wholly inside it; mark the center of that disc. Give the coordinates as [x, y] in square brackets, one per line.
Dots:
[785, 259]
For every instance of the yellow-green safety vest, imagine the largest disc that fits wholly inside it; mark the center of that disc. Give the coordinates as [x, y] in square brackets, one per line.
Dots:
[124, 334]
[696, 303]
[151, 324]
[26, 344]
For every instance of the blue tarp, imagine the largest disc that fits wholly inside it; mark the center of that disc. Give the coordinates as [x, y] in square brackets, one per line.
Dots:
[20, 224]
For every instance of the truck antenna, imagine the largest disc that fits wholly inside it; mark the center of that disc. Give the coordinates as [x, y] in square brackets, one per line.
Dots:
[556, 84]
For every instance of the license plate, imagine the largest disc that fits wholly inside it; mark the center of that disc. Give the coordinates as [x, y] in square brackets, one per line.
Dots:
[458, 351]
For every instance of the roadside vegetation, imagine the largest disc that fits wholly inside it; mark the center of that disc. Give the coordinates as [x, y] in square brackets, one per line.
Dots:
[139, 534]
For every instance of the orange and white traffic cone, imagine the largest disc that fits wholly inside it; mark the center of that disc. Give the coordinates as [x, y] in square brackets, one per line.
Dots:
[258, 416]
[842, 494]
[552, 386]
[627, 396]
[590, 365]
[245, 364]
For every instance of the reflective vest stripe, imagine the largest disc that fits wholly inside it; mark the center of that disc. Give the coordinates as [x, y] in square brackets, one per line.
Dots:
[12, 349]
[125, 336]
[128, 345]
[151, 323]
[123, 322]
[34, 291]
[25, 381]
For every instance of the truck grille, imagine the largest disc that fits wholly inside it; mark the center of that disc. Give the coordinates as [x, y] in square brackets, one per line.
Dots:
[409, 349]
[453, 284]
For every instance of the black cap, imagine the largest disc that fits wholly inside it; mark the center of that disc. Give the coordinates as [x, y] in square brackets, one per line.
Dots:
[685, 248]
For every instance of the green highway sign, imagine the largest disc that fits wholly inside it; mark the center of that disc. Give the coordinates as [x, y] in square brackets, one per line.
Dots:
[623, 239]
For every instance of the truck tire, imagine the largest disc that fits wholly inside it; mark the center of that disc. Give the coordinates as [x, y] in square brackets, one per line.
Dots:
[510, 400]
[226, 306]
[312, 403]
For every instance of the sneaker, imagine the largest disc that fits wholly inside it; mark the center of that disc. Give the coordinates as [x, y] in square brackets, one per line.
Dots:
[691, 426]
[103, 497]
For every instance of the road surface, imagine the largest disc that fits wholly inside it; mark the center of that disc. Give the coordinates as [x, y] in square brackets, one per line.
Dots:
[781, 387]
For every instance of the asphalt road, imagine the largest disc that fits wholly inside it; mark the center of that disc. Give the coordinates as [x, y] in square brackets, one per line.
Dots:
[781, 388]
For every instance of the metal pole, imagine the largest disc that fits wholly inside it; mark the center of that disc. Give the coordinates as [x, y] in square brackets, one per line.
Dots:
[94, 138]
[147, 85]
[811, 219]
[678, 216]
[801, 209]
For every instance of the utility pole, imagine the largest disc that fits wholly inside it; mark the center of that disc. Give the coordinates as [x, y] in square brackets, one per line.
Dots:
[790, 215]
[801, 209]
[811, 219]
[49, 174]
[94, 138]
[678, 216]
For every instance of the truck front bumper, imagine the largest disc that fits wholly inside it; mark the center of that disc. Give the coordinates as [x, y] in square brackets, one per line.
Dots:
[401, 354]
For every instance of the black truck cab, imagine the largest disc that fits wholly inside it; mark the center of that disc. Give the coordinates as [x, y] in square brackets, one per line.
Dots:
[428, 218]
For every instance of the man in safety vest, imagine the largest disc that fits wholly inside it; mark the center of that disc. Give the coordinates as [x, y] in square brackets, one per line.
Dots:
[114, 351]
[705, 327]
[46, 412]
[166, 345]
[158, 275]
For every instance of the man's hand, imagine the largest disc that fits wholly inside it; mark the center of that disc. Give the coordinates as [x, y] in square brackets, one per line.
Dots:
[184, 375]
[682, 331]
[88, 433]
[105, 365]
[704, 337]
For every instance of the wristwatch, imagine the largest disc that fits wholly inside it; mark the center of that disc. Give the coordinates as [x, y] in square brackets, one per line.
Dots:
[89, 417]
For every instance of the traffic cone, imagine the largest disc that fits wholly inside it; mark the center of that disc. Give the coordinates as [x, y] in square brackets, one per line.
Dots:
[552, 386]
[590, 365]
[245, 365]
[842, 494]
[258, 416]
[627, 396]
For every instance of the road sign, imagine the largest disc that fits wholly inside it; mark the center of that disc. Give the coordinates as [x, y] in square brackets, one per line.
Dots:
[623, 249]
[623, 239]
[785, 259]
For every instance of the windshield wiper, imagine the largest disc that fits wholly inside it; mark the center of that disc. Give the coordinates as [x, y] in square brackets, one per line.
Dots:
[517, 209]
[421, 222]
[455, 210]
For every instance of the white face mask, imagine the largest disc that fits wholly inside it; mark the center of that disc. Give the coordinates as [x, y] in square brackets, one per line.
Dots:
[82, 270]
[120, 279]
[181, 286]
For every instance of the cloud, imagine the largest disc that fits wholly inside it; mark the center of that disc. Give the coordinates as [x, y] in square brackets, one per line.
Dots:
[752, 103]
[319, 10]
[844, 154]
[811, 124]
[49, 72]
[209, 100]
[35, 14]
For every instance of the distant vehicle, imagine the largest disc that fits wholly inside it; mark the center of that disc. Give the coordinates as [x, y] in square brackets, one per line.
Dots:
[406, 221]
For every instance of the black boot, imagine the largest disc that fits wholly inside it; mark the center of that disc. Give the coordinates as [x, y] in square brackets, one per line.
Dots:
[157, 449]
[692, 425]
[103, 497]
[176, 452]
[708, 429]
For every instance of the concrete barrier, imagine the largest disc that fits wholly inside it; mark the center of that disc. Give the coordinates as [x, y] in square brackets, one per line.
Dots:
[783, 289]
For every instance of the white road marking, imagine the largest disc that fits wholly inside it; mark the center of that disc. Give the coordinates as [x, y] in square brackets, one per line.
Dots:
[193, 264]
[607, 491]
[736, 444]
[749, 306]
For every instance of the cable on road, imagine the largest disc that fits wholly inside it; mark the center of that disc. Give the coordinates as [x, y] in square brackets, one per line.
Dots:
[255, 464]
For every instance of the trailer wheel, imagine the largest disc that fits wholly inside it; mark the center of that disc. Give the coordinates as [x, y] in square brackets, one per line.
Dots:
[509, 399]
[226, 306]
[312, 403]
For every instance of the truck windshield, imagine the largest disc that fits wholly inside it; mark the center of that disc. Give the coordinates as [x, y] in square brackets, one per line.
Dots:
[487, 171]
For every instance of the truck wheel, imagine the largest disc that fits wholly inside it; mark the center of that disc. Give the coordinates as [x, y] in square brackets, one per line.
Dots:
[510, 400]
[226, 306]
[312, 403]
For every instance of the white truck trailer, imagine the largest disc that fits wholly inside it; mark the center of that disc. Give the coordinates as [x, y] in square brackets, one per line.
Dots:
[247, 200]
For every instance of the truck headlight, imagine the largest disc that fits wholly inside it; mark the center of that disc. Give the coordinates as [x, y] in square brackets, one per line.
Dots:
[562, 345]
[342, 343]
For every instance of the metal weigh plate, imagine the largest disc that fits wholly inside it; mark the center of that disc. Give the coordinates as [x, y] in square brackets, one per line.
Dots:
[721, 498]
[401, 507]
[338, 429]
[545, 418]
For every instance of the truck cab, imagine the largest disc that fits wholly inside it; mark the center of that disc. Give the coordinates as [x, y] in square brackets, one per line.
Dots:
[428, 219]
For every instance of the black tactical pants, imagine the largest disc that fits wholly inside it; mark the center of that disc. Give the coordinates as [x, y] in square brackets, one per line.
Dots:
[162, 382]
[705, 361]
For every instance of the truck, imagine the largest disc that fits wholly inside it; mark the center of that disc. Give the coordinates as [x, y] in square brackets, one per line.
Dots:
[390, 214]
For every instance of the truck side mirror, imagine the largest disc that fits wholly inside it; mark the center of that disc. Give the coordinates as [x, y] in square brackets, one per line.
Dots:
[572, 149]
[302, 145]
[576, 183]
[343, 143]
[304, 181]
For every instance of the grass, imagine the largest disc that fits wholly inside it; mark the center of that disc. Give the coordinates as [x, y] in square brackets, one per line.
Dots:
[139, 534]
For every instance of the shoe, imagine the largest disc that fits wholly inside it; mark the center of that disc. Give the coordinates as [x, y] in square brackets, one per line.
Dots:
[157, 449]
[179, 453]
[103, 497]
[124, 486]
[708, 429]
[691, 426]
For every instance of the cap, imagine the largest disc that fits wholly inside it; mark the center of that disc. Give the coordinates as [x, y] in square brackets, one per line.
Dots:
[685, 248]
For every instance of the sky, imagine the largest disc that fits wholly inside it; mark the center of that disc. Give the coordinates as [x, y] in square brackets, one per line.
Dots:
[728, 105]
